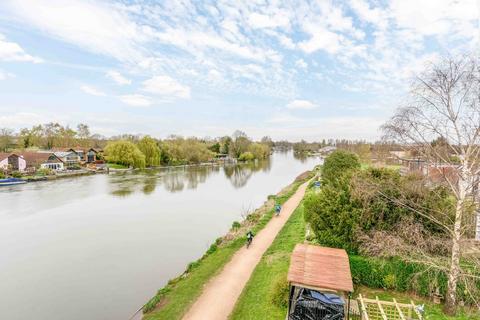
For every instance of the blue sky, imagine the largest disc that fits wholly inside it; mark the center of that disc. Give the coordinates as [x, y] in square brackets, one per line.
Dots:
[287, 69]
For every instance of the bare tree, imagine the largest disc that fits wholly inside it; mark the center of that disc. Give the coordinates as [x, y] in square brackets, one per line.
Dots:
[444, 107]
[6, 139]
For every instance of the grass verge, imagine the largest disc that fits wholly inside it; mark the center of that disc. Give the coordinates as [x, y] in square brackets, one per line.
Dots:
[172, 301]
[116, 166]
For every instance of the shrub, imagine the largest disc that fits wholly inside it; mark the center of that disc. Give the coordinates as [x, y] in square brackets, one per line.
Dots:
[390, 281]
[280, 293]
[403, 276]
[339, 163]
[2, 175]
[192, 265]
[236, 225]
[246, 156]
[44, 172]
[212, 249]
[16, 174]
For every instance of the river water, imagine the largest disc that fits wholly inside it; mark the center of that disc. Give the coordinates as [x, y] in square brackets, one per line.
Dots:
[98, 247]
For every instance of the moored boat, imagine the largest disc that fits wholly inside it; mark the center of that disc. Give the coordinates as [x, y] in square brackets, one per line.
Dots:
[11, 181]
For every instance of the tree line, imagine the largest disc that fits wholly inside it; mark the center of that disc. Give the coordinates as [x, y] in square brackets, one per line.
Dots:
[177, 150]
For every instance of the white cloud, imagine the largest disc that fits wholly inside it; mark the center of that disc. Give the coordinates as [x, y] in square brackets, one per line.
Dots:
[257, 20]
[96, 27]
[118, 77]
[321, 39]
[136, 100]
[301, 64]
[301, 104]
[167, 87]
[11, 51]
[92, 91]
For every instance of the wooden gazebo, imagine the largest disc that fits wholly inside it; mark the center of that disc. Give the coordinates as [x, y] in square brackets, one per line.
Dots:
[324, 270]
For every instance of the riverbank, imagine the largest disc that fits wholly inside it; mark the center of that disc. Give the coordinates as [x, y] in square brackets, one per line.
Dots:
[172, 301]
[266, 294]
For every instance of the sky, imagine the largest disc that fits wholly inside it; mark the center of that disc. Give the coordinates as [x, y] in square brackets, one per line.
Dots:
[287, 69]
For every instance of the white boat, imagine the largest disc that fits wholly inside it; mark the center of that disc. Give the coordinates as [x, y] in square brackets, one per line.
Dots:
[11, 181]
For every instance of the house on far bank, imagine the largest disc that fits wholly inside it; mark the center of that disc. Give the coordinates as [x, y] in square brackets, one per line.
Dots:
[89, 155]
[43, 160]
[85, 155]
[69, 157]
[13, 162]
[29, 161]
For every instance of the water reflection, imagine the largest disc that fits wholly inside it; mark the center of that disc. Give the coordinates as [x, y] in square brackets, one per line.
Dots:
[301, 157]
[180, 178]
[240, 174]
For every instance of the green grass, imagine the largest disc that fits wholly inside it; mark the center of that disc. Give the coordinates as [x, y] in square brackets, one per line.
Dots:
[432, 311]
[116, 166]
[179, 294]
[256, 300]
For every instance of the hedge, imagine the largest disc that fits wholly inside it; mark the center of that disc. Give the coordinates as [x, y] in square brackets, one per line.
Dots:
[402, 276]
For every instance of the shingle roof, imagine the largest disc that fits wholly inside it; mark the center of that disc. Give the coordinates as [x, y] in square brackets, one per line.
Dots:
[320, 267]
[36, 158]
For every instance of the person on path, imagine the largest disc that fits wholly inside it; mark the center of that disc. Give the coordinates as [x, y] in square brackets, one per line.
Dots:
[278, 208]
[250, 236]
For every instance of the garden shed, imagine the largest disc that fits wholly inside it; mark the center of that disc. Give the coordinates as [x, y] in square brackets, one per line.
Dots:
[320, 283]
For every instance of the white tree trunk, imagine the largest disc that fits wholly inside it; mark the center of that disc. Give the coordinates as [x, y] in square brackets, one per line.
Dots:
[451, 299]
[477, 226]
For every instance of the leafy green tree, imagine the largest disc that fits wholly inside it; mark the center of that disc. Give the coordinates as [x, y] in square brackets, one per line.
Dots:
[126, 153]
[52, 134]
[6, 139]
[333, 215]
[178, 151]
[240, 143]
[259, 150]
[215, 147]
[31, 137]
[225, 144]
[151, 151]
[339, 163]
[246, 156]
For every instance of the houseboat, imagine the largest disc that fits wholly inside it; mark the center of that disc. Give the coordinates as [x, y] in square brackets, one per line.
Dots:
[11, 181]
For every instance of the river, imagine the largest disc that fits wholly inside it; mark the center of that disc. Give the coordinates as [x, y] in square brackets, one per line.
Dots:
[98, 247]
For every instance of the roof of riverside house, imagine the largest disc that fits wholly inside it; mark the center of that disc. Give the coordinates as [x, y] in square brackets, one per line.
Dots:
[4, 155]
[321, 268]
[35, 158]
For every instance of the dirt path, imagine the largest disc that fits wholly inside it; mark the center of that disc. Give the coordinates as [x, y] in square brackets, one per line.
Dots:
[221, 293]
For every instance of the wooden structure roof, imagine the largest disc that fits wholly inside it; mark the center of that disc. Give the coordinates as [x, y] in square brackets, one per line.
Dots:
[320, 268]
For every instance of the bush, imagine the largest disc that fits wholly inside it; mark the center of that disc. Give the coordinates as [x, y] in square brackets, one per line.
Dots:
[236, 225]
[339, 163]
[390, 281]
[402, 276]
[333, 216]
[2, 175]
[212, 249]
[246, 156]
[16, 174]
[44, 172]
[280, 293]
